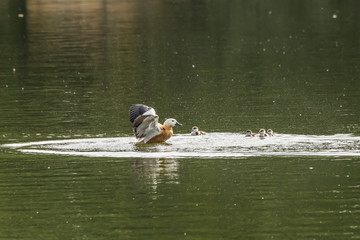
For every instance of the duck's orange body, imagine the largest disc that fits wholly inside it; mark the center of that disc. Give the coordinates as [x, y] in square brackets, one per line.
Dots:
[166, 133]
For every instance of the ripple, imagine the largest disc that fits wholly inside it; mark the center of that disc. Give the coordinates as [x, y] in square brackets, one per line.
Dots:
[213, 145]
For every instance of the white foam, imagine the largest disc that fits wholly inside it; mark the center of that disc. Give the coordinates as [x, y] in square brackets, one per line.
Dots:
[213, 145]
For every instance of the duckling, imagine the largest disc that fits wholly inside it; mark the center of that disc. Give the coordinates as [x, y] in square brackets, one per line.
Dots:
[195, 131]
[262, 133]
[146, 127]
[249, 133]
[270, 132]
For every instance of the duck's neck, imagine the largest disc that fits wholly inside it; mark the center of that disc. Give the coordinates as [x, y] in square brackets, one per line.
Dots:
[167, 126]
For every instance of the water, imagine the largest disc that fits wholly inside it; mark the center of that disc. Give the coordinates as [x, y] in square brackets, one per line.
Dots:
[212, 145]
[70, 167]
[61, 197]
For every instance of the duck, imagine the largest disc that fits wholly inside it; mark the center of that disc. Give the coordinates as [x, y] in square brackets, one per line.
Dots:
[249, 133]
[195, 131]
[270, 132]
[146, 126]
[262, 133]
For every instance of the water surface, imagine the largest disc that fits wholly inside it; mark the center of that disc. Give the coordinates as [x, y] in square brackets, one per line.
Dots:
[70, 167]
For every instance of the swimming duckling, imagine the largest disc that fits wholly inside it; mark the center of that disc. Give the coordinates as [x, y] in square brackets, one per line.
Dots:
[195, 131]
[146, 127]
[262, 133]
[270, 132]
[249, 133]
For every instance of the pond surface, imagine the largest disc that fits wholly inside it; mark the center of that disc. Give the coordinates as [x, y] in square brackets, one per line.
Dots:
[212, 145]
[70, 167]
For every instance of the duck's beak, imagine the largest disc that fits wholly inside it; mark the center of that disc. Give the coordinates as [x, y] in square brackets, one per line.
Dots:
[178, 124]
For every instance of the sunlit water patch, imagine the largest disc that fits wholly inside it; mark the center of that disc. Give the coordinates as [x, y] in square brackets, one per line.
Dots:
[213, 145]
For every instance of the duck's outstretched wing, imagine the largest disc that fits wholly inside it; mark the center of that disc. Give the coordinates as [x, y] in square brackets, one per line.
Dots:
[137, 110]
[145, 122]
[146, 127]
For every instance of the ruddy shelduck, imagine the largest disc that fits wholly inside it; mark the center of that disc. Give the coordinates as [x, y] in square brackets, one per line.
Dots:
[146, 124]
[249, 133]
[270, 132]
[195, 131]
[262, 133]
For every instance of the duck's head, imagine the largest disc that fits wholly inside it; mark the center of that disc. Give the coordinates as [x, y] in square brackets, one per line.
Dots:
[195, 129]
[171, 122]
[262, 132]
[270, 131]
[248, 133]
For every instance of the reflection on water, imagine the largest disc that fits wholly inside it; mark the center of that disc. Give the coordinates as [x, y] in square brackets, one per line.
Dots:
[155, 171]
[104, 198]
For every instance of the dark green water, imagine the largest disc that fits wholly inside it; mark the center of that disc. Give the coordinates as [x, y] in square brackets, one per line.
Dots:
[71, 69]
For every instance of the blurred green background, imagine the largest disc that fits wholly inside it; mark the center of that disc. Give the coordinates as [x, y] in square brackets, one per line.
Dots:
[74, 67]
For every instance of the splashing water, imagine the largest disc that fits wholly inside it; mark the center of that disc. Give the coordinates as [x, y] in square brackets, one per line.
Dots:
[213, 145]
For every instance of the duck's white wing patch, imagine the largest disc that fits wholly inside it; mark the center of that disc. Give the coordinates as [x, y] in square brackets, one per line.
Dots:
[148, 128]
[151, 111]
